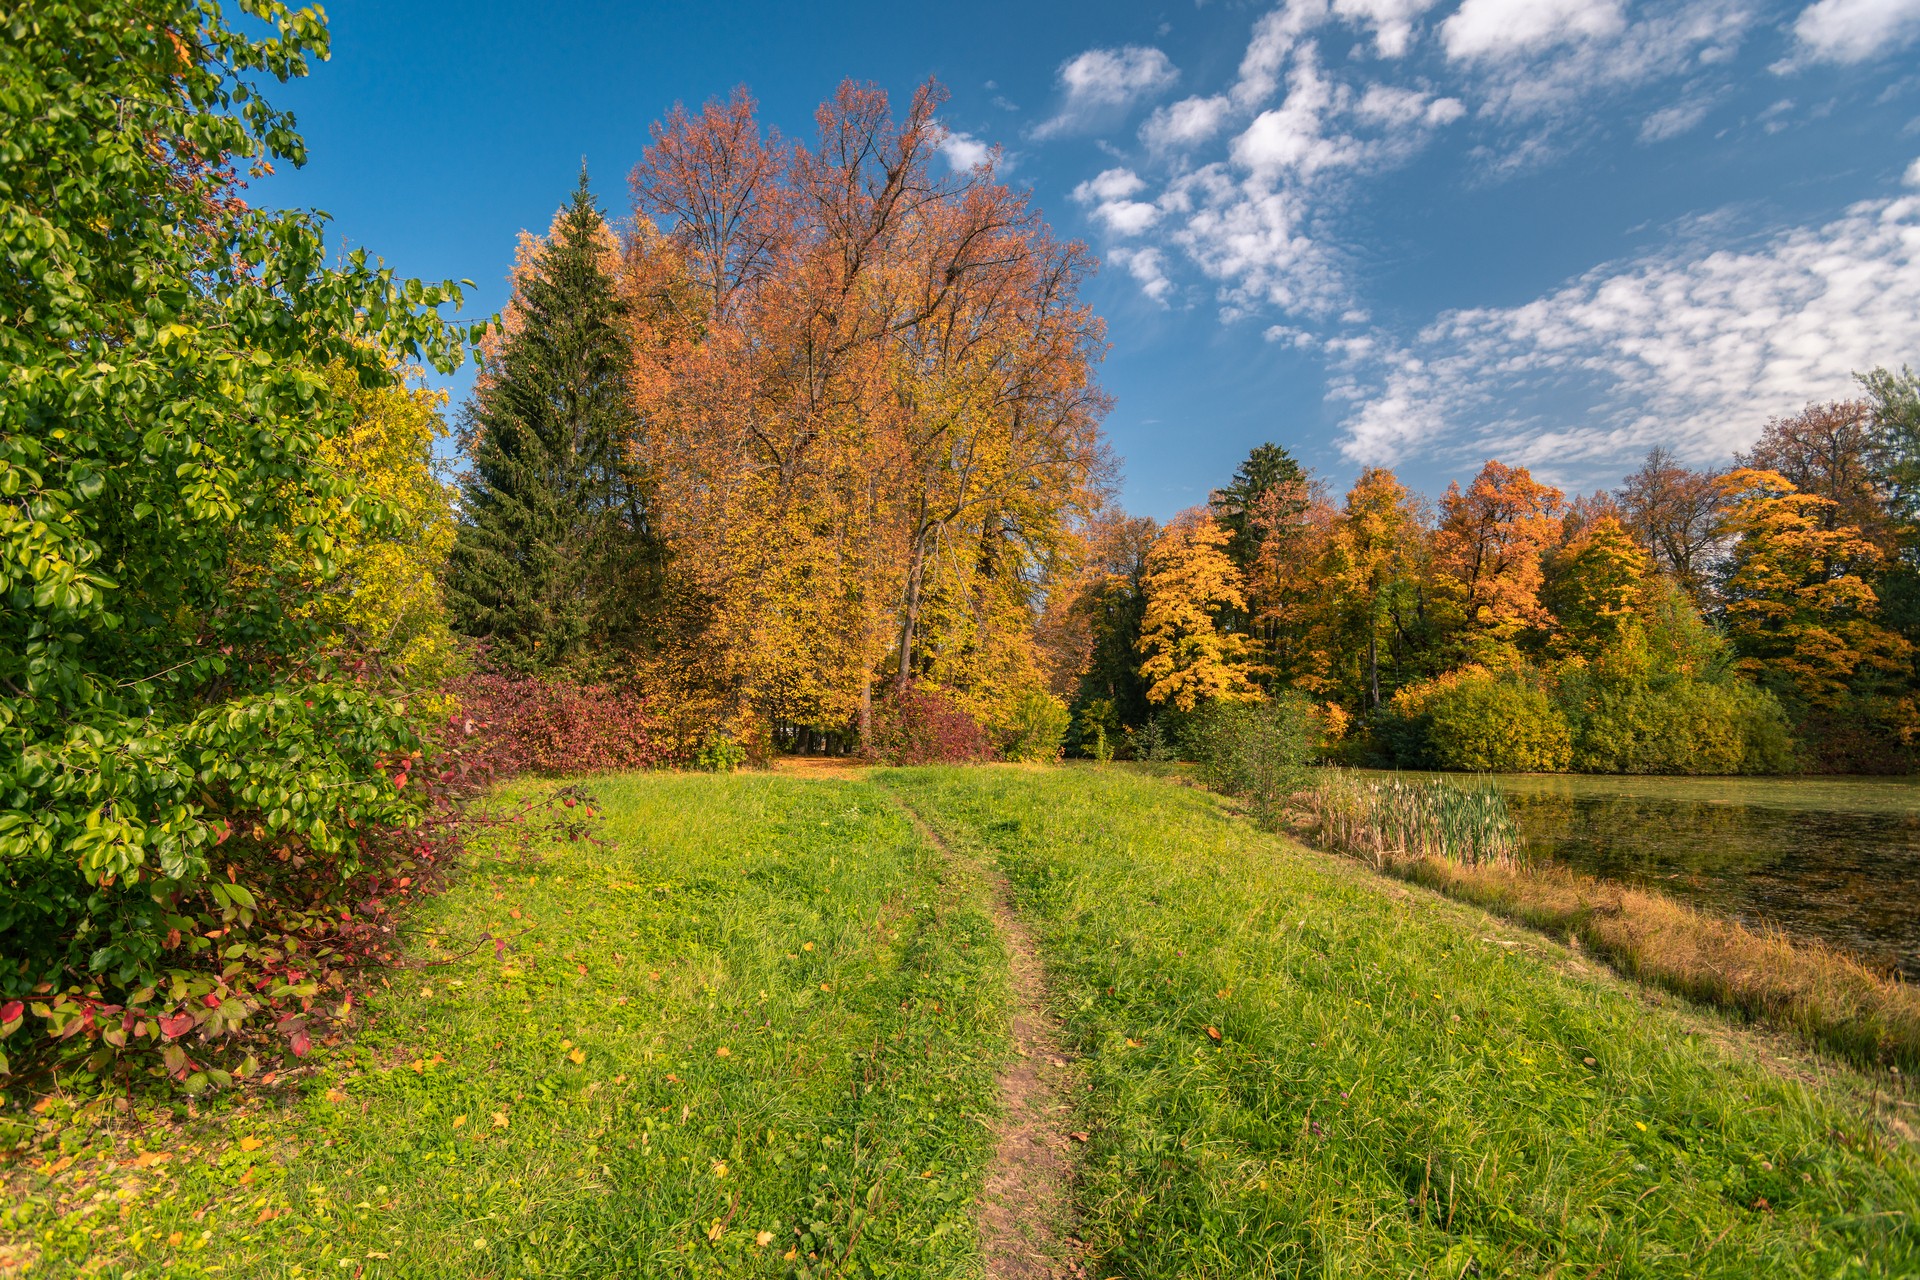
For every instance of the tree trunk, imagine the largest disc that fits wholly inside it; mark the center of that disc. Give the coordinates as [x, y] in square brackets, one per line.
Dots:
[1373, 665]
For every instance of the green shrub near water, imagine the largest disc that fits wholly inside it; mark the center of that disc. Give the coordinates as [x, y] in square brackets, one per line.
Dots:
[1256, 752]
[1683, 727]
[1475, 720]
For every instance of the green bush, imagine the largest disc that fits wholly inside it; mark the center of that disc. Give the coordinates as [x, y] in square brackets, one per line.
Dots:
[1254, 751]
[1475, 720]
[1034, 728]
[721, 754]
[1686, 726]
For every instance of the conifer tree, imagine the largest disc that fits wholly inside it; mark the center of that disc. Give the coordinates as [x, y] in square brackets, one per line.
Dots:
[555, 564]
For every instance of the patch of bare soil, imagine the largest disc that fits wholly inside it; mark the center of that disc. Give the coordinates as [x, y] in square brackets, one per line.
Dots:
[1025, 1211]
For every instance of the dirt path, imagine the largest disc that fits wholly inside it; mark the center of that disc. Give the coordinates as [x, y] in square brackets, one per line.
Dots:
[1026, 1208]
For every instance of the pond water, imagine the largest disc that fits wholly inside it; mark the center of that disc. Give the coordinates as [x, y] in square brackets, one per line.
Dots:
[1836, 859]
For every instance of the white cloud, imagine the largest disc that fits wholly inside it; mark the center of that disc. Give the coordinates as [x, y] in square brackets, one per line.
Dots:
[1102, 83]
[1912, 176]
[1392, 21]
[1671, 122]
[1491, 29]
[964, 151]
[1856, 30]
[1691, 352]
[1110, 202]
[1186, 122]
[1147, 266]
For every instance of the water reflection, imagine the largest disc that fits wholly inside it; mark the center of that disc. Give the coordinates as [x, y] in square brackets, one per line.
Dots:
[1833, 858]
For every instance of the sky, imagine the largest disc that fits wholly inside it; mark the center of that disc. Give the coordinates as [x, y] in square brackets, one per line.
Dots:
[1406, 233]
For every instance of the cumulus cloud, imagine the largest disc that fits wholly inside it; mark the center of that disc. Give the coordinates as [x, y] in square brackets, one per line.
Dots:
[1109, 198]
[1912, 176]
[1505, 28]
[1148, 267]
[1690, 352]
[1856, 30]
[1101, 84]
[964, 151]
[1392, 21]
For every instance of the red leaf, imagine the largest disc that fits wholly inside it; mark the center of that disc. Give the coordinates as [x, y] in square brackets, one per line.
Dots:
[301, 1043]
[13, 1011]
[177, 1024]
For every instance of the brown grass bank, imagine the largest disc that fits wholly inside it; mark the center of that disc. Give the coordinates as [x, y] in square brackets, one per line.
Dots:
[1826, 996]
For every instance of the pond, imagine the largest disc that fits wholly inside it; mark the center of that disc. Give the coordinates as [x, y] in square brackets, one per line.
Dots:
[1837, 859]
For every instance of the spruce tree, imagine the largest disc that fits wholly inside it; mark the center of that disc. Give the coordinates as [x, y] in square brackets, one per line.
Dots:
[554, 564]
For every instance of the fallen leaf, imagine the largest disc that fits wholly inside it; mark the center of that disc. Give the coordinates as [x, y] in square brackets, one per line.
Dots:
[1224, 992]
[764, 1239]
[336, 1095]
[1213, 1033]
[806, 946]
[419, 1066]
[577, 1057]
[515, 913]
[499, 1119]
[719, 1168]
[249, 1143]
[723, 1052]
[458, 1121]
[1133, 1044]
[427, 992]
[174, 1239]
[1078, 1135]
[826, 986]
[715, 1231]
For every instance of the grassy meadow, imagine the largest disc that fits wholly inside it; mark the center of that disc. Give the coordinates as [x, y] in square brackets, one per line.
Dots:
[755, 1031]
[1300, 1068]
[753, 1034]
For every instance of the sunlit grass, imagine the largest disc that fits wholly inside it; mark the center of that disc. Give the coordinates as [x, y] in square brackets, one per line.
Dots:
[755, 1034]
[1392, 1091]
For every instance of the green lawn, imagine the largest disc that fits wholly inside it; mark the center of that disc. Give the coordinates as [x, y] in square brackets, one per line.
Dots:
[1391, 1093]
[757, 1032]
[758, 1015]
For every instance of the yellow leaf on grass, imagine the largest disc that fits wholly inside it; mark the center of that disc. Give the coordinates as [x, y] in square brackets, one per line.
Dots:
[764, 1239]
[715, 1231]
[806, 946]
[499, 1119]
[336, 1095]
[719, 1168]
[175, 1238]
[1133, 1044]
[723, 1052]
[427, 991]
[458, 1121]
[826, 986]
[249, 1144]
[577, 1057]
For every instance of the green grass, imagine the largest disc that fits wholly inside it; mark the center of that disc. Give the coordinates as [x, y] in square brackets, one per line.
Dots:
[759, 1010]
[1392, 1093]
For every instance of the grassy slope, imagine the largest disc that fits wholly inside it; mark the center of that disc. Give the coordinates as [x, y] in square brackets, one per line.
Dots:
[847, 1101]
[1391, 1093]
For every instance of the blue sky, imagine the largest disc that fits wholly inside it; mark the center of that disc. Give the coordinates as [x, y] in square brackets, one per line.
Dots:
[1388, 232]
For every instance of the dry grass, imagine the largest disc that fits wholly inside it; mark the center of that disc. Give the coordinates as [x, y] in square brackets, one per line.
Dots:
[1828, 997]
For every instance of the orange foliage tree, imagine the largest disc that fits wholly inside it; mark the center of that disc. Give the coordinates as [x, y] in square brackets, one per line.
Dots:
[868, 401]
[1486, 556]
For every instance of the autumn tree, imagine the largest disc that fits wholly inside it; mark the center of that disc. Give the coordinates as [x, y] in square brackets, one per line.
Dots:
[1374, 570]
[1827, 450]
[1487, 560]
[1595, 586]
[554, 554]
[1799, 604]
[867, 392]
[1190, 582]
[1676, 514]
[1269, 490]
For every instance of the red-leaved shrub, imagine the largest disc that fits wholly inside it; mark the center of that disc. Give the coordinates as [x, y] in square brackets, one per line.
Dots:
[547, 725]
[920, 724]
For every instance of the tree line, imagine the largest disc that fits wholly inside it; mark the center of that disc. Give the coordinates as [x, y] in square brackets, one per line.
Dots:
[1758, 617]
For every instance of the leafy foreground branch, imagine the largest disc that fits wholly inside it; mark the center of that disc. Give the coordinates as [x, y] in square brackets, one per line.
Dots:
[745, 1030]
[1297, 1067]
[1458, 839]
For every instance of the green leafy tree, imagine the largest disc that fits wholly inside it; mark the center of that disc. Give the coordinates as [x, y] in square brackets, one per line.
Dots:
[1270, 468]
[554, 558]
[166, 403]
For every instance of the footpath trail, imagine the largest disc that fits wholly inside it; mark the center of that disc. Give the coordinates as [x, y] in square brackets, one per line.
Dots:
[1025, 1209]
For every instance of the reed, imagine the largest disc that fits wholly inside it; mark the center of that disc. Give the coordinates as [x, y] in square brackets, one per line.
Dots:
[1397, 819]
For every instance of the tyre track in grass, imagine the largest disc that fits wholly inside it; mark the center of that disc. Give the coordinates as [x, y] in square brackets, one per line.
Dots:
[1025, 1210]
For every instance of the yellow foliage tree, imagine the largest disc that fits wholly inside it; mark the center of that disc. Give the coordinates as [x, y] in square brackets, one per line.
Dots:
[1190, 582]
[1596, 587]
[384, 602]
[1799, 606]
